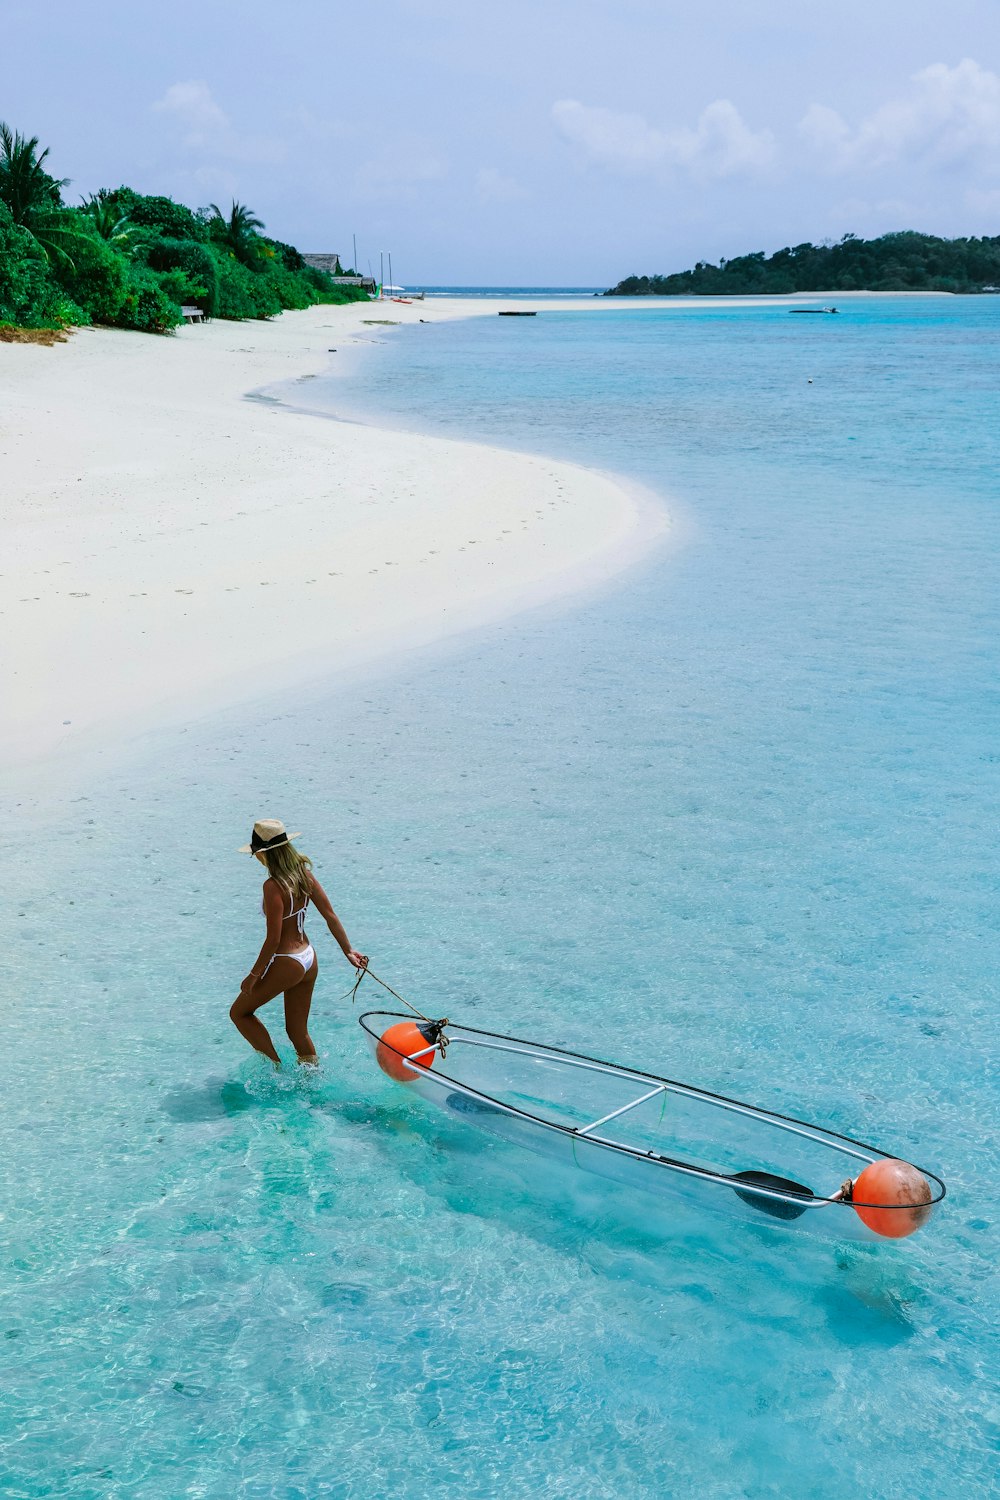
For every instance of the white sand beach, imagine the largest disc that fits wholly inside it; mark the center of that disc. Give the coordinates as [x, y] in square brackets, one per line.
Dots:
[170, 545]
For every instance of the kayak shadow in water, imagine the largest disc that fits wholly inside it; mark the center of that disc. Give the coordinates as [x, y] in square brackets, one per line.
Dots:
[605, 1224]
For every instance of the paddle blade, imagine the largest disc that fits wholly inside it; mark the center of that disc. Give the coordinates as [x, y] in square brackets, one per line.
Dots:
[776, 1207]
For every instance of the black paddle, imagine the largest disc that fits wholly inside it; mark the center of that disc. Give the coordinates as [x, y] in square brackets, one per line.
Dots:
[776, 1207]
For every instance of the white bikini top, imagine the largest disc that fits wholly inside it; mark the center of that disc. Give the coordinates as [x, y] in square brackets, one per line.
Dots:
[299, 912]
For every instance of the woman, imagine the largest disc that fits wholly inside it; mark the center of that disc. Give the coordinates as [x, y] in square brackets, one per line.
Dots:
[286, 964]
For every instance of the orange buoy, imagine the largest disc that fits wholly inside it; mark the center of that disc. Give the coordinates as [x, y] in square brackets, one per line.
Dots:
[403, 1040]
[892, 1198]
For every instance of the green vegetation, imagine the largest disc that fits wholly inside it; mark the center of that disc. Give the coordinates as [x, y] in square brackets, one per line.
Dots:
[131, 260]
[904, 262]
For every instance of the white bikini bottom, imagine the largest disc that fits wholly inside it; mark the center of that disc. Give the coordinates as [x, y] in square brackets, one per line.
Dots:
[305, 956]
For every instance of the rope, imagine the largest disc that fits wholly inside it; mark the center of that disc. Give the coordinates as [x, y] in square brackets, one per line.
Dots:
[438, 1026]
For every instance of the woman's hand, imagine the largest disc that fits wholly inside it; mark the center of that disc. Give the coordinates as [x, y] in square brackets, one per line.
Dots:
[248, 984]
[359, 960]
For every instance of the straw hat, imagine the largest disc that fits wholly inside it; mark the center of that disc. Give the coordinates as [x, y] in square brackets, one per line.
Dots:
[268, 833]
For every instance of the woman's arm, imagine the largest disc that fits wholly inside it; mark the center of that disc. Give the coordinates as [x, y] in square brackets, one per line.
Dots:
[321, 901]
[274, 909]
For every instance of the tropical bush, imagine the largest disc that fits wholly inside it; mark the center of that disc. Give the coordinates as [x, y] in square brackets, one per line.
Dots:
[185, 262]
[91, 272]
[183, 290]
[242, 292]
[147, 307]
[286, 255]
[133, 260]
[292, 291]
[170, 220]
[27, 294]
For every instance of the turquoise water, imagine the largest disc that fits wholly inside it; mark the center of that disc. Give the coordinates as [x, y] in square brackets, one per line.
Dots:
[732, 818]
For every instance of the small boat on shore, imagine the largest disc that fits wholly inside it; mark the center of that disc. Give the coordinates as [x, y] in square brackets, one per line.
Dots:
[650, 1132]
[515, 313]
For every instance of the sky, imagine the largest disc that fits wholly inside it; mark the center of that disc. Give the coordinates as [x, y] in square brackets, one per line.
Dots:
[539, 142]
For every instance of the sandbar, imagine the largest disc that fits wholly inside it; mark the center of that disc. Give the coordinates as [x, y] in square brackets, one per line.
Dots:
[171, 545]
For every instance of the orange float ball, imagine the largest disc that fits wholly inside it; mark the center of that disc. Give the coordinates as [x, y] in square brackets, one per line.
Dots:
[403, 1040]
[892, 1198]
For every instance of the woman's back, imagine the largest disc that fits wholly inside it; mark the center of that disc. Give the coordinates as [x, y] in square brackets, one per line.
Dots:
[294, 903]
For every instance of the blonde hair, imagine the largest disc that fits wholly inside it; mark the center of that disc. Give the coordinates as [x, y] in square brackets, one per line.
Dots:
[290, 868]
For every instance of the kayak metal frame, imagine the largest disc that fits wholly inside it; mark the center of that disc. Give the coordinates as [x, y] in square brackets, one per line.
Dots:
[593, 1065]
[498, 1042]
[586, 1129]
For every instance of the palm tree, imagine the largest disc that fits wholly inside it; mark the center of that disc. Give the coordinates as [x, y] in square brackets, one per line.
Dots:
[32, 196]
[25, 186]
[238, 231]
[110, 223]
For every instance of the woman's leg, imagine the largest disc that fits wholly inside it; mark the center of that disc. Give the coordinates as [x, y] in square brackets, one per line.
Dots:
[279, 977]
[297, 1002]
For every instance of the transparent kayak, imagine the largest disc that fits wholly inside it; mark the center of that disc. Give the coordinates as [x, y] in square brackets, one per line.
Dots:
[636, 1128]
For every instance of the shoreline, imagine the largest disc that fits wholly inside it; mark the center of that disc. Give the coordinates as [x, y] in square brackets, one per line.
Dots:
[152, 509]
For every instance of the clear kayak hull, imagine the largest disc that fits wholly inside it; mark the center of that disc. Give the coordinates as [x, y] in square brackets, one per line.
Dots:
[641, 1130]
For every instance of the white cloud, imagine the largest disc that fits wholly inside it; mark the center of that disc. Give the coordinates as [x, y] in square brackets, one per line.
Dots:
[721, 144]
[950, 117]
[205, 126]
[493, 186]
[824, 129]
[613, 140]
[191, 106]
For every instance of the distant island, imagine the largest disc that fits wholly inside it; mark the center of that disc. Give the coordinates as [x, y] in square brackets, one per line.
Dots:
[902, 262]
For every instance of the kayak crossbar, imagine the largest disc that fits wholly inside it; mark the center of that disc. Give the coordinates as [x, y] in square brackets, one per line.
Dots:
[633, 1104]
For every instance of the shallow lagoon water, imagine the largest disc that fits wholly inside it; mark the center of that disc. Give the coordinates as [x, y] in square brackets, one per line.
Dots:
[732, 818]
